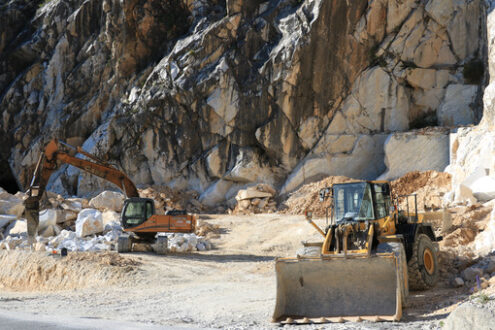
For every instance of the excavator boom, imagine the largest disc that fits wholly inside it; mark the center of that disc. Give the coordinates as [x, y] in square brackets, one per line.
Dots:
[49, 162]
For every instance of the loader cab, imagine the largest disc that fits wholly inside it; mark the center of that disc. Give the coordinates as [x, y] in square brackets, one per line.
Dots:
[136, 211]
[360, 201]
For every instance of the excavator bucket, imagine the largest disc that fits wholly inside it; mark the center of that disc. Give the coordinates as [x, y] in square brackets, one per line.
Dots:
[337, 289]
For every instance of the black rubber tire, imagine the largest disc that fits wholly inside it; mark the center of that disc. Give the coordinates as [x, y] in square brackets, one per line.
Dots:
[419, 278]
[398, 249]
[124, 244]
[161, 245]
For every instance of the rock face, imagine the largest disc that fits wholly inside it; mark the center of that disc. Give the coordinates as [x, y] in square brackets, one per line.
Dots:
[212, 95]
[418, 151]
[472, 161]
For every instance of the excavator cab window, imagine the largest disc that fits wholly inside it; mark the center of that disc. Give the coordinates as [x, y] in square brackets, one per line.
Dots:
[149, 209]
[136, 211]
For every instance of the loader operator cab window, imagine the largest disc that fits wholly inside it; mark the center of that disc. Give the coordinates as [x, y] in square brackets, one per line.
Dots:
[352, 202]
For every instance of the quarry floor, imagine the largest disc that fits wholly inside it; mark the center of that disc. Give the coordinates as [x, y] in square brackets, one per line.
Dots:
[231, 286]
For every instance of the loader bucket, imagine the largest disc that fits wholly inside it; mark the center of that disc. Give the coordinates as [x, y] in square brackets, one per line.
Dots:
[337, 289]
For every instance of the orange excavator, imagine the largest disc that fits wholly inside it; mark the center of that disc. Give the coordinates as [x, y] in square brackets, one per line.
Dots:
[139, 220]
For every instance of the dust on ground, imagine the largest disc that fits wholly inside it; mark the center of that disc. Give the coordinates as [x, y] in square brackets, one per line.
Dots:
[41, 271]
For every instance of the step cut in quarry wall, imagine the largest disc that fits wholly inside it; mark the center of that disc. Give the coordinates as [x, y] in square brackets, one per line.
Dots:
[472, 161]
[215, 95]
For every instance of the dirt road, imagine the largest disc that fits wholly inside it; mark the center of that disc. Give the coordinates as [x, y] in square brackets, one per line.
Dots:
[232, 286]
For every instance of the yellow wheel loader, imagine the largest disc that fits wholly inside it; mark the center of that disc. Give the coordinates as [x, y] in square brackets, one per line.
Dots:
[371, 254]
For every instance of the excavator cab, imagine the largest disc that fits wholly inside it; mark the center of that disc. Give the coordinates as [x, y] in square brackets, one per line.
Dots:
[136, 211]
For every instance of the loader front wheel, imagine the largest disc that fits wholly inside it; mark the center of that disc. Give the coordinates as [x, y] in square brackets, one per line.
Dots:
[423, 266]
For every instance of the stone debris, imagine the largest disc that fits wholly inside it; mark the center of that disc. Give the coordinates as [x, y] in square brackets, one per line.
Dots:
[50, 217]
[458, 282]
[16, 228]
[256, 199]
[181, 243]
[11, 204]
[75, 225]
[89, 222]
[108, 200]
[169, 198]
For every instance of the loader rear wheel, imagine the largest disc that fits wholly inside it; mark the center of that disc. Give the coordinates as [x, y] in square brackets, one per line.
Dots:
[124, 244]
[423, 266]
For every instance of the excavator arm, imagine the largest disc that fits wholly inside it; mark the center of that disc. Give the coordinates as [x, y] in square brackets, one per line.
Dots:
[50, 161]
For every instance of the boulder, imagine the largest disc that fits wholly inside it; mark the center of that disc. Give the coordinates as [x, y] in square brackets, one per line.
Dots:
[72, 205]
[251, 194]
[16, 228]
[482, 185]
[464, 194]
[484, 243]
[490, 266]
[89, 222]
[458, 282]
[469, 274]
[111, 220]
[470, 316]
[108, 200]
[50, 231]
[10, 204]
[407, 152]
[50, 217]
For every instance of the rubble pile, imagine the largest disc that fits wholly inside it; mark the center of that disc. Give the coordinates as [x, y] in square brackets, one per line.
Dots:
[430, 187]
[187, 243]
[166, 197]
[77, 224]
[256, 199]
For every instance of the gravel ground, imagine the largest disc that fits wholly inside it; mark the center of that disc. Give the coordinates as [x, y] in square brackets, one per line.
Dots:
[232, 286]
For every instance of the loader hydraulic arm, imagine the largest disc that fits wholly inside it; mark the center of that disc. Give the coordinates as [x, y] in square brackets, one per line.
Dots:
[49, 162]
